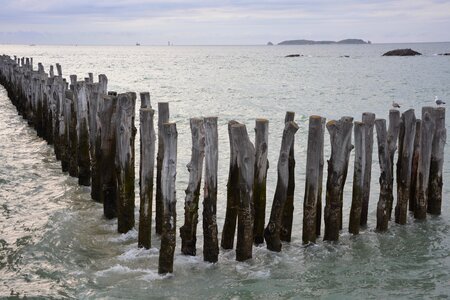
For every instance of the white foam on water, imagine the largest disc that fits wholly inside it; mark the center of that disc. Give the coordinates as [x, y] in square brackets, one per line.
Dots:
[129, 236]
[136, 253]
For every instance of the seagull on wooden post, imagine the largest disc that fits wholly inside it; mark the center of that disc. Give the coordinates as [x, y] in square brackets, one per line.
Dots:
[395, 104]
[438, 101]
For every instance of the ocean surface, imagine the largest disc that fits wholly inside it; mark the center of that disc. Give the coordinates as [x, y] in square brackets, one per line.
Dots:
[54, 242]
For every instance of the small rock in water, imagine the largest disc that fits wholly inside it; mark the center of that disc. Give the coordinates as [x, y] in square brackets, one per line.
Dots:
[445, 54]
[293, 55]
[401, 52]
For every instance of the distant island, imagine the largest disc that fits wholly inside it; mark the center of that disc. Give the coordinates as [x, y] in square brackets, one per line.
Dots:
[310, 42]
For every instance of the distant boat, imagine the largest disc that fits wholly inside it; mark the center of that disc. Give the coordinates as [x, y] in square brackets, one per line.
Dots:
[137, 44]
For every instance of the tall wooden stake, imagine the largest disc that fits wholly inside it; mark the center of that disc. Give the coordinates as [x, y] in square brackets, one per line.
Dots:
[288, 211]
[359, 176]
[168, 179]
[163, 117]
[368, 119]
[188, 231]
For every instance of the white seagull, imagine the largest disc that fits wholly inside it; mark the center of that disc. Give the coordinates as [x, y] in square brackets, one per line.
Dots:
[395, 104]
[438, 101]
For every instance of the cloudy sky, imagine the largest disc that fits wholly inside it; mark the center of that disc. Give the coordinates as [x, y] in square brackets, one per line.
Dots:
[202, 22]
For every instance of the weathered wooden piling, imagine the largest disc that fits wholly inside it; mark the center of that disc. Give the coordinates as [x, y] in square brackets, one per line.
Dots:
[260, 177]
[73, 134]
[146, 167]
[320, 182]
[368, 119]
[107, 118]
[124, 161]
[163, 117]
[404, 163]
[288, 211]
[210, 234]
[359, 176]
[392, 139]
[97, 93]
[168, 179]
[423, 170]
[84, 159]
[233, 197]
[414, 167]
[145, 100]
[273, 228]
[340, 138]
[246, 166]
[188, 231]
[312, 181]
[386, 197]
[437, 162]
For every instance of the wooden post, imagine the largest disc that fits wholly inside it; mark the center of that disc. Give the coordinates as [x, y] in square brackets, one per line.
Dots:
[246, 166]
[311, 199]
[392, 138]
[146, 167]
[210, 239]
[437, 162]
[368, 119]
[259, 186]
[233, 197]
[273, 228]
[340, 138]
[288, 211]
[59, 69]
[386, 196]
[359, 176]
[423, 171]
[73, 135]
[188, 231]
[163, 117]
[84, 160]
[168, 179]
[145, 100]
[320, 147]
[414, 167]
[99, 90]
[406, 145]
[107, 128]
[124, 161]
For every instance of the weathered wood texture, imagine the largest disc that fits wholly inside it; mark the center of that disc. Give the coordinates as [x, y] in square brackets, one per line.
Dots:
[233, 198]
[386, 196]
[188, 231]
[210, 232]
[97, 93]
[414, 167]
[311, 198]
[423, 170]
[168, 179]
[368, 119]
[437, 162]
[145, 100]
[392, 140]
[107, 118]
[404, 163]
[84, 160]
[163, 117]
[340, 138]
[288, 211]
[246, 165]
[259, 186]
[359, 177]
[146, 171]
[124, 161]
[73, 135]
[273, 228]
[320, 182]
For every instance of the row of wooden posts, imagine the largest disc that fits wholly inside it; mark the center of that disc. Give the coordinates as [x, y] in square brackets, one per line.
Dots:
[93, 134]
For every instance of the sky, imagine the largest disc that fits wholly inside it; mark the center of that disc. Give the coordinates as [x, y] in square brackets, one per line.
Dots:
[228, 22]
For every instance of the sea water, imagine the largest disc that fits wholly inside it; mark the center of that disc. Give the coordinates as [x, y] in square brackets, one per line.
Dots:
[54, 241]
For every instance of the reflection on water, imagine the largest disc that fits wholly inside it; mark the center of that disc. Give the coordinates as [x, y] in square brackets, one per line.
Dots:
[55, 242]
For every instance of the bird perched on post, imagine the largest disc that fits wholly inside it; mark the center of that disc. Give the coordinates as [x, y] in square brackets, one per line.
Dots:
[395, 104]
[438, 101]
